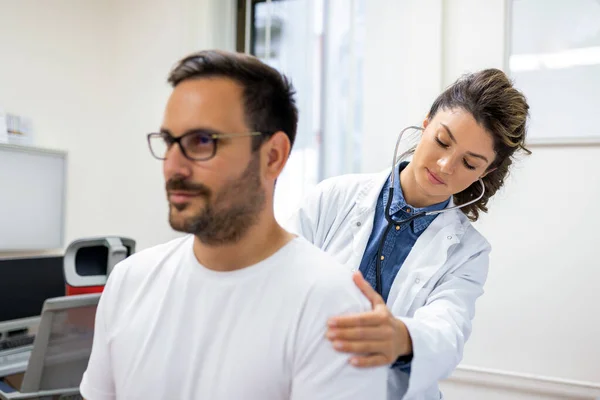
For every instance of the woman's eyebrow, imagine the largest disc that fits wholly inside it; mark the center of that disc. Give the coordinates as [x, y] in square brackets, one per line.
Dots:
[454, 140]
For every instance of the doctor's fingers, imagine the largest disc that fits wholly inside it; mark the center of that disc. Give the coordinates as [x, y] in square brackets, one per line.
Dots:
[373, 360]
[361, 333]
[364, 348]
[379, 316]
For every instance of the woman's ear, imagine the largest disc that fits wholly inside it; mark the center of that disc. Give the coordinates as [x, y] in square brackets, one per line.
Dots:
[426, 122]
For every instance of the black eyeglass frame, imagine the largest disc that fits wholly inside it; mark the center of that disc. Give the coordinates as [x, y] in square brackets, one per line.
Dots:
[213, 136]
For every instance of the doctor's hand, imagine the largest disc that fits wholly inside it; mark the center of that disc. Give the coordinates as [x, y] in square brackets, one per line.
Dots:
[375, 337]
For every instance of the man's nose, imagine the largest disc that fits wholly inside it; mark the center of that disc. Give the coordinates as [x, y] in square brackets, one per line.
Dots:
[175, 163]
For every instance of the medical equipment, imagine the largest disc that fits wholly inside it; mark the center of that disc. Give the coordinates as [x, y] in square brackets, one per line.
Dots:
[391, 222]
[89, 261]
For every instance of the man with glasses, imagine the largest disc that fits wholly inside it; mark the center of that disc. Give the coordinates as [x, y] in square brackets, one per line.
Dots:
[238, 308]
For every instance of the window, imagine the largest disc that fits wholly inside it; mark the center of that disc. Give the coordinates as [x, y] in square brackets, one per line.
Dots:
[555, 59]
[318, 44]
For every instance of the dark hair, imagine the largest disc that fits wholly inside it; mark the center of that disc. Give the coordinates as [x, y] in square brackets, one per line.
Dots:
[502, 110]
[268, 95]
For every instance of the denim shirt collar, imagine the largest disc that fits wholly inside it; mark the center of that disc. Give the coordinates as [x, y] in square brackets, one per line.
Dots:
[400, 210]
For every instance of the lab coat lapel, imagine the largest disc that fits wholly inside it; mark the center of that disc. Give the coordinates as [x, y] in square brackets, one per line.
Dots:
[362, 220]
[427, 257]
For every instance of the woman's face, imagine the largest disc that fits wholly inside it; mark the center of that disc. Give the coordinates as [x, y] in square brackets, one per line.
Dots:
[453, 153]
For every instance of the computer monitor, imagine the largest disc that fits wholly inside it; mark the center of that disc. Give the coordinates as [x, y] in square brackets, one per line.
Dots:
[63, 344]
[60, 353]
[26, 283]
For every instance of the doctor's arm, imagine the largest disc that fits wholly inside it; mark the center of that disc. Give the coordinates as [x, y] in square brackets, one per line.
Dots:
[315, 216]
[434, 336]
[304, 220]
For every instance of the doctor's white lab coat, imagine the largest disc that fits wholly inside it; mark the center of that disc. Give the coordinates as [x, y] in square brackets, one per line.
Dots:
[436, 288]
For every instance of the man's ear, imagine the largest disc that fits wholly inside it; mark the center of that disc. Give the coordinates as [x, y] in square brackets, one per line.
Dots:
[276, 152]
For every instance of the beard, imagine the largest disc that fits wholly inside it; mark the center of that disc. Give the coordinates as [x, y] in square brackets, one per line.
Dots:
[227, 217]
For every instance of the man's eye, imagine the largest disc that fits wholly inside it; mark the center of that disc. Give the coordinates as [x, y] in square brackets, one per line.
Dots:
[201, 140]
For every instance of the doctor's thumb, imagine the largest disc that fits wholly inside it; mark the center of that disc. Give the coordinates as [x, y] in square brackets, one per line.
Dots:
[366, 288]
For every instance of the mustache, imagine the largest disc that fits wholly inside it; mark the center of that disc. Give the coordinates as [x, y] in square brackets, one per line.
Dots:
[179, 184]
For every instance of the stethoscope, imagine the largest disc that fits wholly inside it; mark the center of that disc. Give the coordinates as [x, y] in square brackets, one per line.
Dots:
[391, 222]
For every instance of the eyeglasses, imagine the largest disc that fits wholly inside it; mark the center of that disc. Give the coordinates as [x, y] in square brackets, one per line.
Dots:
[196, 145]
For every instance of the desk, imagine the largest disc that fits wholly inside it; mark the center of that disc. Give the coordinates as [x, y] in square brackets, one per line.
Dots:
[14, 361]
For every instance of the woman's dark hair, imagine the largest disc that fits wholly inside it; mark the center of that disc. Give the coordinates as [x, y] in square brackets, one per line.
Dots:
[268, 95]
[502, 110]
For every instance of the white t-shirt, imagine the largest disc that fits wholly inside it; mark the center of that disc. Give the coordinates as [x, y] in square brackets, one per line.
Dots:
[169, 328]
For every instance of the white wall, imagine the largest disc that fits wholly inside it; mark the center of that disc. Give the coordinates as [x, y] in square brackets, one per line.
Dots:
[92, 76]
[540, 313]
[541, 298]
[56, 68]
[402, 72]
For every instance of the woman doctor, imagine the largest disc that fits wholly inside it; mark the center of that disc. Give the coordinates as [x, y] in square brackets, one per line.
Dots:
[429, 271]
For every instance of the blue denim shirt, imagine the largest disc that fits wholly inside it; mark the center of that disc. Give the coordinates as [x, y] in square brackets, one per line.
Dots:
[400, 239]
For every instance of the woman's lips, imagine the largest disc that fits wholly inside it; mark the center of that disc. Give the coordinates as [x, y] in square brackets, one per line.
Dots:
[433, 178]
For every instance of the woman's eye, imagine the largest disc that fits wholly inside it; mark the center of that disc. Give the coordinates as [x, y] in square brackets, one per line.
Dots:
[445, 146]
[442, 144]
[469, 166]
